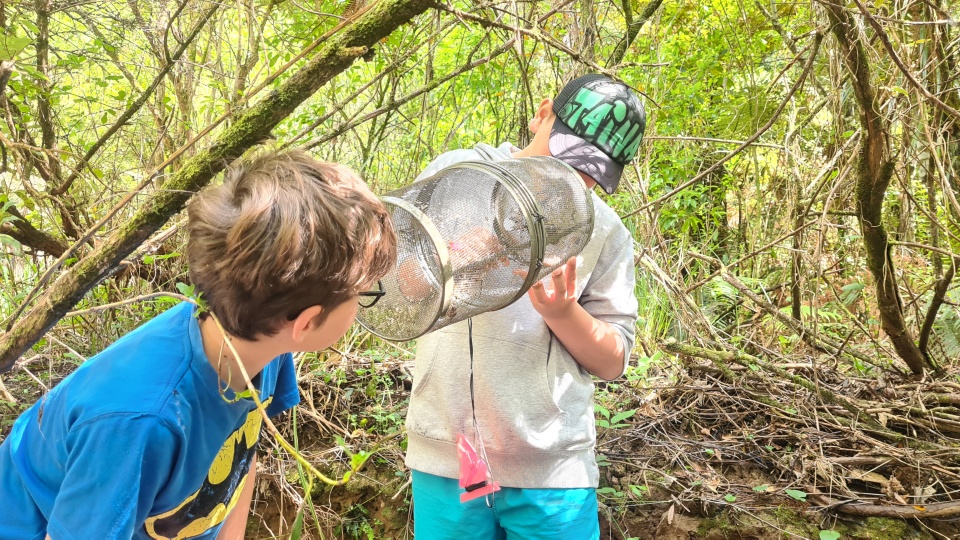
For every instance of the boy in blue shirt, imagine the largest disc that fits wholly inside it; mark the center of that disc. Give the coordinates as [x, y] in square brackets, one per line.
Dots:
[153, 437]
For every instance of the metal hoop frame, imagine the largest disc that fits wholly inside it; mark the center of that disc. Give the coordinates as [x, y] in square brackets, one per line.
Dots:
[446, 269]
[530, 210]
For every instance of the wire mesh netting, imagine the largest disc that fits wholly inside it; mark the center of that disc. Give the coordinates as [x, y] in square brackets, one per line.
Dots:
[474, 237]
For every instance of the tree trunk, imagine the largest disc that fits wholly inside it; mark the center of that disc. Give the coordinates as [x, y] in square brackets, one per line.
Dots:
[874, 171]
[252, 126]
[634, 24]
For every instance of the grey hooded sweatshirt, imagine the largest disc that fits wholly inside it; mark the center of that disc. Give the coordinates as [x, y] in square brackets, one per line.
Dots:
[534, 403]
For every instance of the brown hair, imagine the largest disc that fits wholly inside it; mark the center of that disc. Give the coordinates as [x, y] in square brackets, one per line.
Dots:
[284, 232]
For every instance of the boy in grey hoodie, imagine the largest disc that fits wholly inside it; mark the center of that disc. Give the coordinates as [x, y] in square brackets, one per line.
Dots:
[531, 404]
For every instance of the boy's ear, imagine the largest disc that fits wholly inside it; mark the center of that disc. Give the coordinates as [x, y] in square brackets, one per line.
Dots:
[304, 323]
[543, 112]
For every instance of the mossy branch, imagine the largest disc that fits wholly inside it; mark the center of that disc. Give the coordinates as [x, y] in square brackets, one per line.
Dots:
[252, 126]
[874, 172]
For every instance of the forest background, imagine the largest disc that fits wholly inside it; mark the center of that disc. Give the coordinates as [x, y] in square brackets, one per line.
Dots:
[794, 207]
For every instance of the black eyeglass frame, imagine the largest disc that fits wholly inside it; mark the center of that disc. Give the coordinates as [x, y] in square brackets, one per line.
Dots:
[376, 295]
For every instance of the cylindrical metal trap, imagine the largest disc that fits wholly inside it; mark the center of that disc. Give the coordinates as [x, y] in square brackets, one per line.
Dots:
[474, 238]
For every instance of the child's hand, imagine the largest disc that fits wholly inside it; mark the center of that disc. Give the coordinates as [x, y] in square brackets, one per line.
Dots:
[557, 302]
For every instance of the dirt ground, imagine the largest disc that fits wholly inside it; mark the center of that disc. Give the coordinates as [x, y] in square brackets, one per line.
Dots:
[670, 471]
[646, 492]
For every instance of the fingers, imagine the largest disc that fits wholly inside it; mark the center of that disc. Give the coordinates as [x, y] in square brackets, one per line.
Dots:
[560, 282]
[571, 275]
[538, 294]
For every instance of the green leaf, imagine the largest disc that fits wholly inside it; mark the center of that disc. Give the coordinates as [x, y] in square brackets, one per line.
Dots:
[10, 46]
[604, 412]
[297, 532]
[623, 416]
[797, 494]
[12, 242]
[357, 460]
[730, 498]
[829, 535]
[27, 201]
[612, 492]
[761, 488]
[851, 292]
[186, 290]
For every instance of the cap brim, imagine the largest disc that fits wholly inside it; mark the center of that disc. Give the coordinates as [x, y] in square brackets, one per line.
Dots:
[566, 146]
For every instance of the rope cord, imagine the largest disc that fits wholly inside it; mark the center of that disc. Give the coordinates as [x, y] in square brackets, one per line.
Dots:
[481, 451]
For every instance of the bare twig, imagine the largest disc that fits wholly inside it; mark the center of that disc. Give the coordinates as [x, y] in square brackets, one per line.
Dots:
[137, 104]
[134, 300]
[885, 39]
[814, 48]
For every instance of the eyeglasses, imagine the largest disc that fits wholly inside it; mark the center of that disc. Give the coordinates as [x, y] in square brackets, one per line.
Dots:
[369, 298]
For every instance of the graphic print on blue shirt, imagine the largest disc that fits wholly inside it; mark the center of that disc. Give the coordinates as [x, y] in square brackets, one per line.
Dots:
[212, 503]
[138, 442]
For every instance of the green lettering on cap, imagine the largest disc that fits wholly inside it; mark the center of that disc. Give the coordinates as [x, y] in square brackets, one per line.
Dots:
[631, 151]
[622, 138]
[594, 118]
[585, 100]
[619, 113]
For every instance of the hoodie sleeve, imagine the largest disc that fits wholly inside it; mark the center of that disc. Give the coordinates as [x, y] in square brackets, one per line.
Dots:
[445, 160]
[610, 294]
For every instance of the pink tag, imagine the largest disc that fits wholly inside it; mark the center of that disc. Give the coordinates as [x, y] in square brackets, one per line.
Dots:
[474, 476]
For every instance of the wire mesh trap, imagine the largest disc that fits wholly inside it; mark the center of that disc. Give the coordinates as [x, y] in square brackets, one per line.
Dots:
[474, 238]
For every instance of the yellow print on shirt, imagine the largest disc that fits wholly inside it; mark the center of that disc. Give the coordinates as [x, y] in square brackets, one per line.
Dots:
[209, 506]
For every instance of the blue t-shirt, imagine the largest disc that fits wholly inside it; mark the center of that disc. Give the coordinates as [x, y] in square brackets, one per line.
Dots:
[138, 442]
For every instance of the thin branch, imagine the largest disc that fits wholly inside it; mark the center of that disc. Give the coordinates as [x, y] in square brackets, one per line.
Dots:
[24, 232]
[393, 104]
[134, 300]
[815, 47]
[939, 294]
[934, 249]
[903, 68]
[710, 139]
[898, 511]
[136, 105]
[633, 28]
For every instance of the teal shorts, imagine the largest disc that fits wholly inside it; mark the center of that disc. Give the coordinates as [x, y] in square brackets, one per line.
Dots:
[513, 514]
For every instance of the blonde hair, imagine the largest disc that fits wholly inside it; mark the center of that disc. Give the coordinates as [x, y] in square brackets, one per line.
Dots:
[284, 232]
